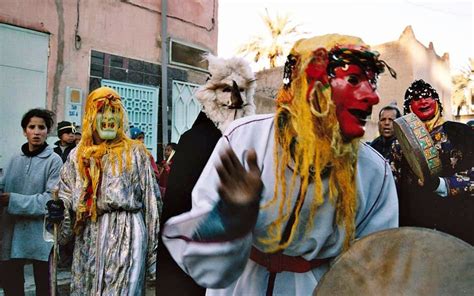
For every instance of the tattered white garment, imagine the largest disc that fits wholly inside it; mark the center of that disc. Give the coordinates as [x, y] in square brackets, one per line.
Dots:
[113, 255]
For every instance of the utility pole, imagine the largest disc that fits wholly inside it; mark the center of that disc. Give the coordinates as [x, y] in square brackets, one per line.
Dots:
[164, 71]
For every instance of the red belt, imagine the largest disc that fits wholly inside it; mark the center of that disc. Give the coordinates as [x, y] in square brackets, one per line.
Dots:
[279, 262]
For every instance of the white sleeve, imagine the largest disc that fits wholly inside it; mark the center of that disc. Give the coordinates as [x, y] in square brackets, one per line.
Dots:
[211, 264]
[383, 213]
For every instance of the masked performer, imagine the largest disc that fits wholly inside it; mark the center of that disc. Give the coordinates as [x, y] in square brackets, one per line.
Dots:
[227, 95]
[111, 201]
[444, 202]
[283, 194]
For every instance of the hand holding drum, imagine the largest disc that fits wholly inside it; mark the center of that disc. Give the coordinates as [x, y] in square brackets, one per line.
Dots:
[418, 148]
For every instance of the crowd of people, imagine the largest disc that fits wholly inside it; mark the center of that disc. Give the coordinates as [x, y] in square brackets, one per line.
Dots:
[243, 204]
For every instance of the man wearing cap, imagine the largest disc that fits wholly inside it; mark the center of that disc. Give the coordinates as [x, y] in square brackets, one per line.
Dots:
[139, 135]
[444, 202]
[283, 194]
[77, 135]
[67, 139]
[65, 144]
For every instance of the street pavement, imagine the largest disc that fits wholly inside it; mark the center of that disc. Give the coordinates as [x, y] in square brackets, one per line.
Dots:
[64, 278]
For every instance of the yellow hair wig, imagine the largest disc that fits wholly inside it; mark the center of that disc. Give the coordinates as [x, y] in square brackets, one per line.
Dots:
[310, 141]
[90, 155]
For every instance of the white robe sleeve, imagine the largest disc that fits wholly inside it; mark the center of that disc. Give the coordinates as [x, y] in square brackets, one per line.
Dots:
[211, 264]
[383, 213]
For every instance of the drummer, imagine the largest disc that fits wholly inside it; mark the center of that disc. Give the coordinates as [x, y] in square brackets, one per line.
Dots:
[445, 202]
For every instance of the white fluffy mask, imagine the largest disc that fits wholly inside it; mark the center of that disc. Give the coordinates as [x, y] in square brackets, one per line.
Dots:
[228, 94]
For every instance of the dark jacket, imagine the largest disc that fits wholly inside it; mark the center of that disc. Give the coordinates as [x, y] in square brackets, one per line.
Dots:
[420, 207]
[192, 153]
[383, 146]
[66, 152]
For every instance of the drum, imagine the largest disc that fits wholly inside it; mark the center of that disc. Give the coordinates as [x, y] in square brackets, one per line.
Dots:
[402, 261]
[417, 146]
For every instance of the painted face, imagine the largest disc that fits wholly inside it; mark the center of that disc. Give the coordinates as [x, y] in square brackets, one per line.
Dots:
[386, 123]
[424, 108]
[354, 96]
[107, 122]
[36, 133]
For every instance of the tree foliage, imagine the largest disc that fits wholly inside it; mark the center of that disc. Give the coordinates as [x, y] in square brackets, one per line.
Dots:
[273, 44]
[460, 83]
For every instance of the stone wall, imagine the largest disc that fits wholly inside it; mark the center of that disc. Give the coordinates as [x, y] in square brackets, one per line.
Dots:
[268, 83]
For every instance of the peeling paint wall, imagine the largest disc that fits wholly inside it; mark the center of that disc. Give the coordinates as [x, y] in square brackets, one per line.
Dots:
[128, 28]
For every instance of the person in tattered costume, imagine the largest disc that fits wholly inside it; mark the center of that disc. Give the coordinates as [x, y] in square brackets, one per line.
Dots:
[227, 95]
[444, 202]
[283, 194]
[111, 202]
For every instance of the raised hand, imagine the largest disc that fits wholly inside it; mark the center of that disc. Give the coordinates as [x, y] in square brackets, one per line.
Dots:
[239, 187]
[240, 190]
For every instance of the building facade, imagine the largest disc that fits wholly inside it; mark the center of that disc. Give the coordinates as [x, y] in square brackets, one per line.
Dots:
[412, 61]
[54, 52]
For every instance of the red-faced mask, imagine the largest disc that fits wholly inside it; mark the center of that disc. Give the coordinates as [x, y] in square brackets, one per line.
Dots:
[424, 108]
[354, 97]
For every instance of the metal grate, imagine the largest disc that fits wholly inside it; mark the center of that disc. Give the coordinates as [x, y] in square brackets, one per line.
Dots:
[141, 103]
[185, 108]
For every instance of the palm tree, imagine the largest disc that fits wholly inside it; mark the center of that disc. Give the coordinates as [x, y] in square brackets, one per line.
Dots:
[460, 83]
[274, 45]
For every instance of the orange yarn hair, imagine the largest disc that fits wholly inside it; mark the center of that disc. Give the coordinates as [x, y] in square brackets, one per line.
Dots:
[309, 139]
[90, 156]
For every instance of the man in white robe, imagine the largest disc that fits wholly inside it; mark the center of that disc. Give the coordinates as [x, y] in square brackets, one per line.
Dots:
[284, 194]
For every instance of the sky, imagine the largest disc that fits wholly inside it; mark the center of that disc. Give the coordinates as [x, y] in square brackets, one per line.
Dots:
[446, 23]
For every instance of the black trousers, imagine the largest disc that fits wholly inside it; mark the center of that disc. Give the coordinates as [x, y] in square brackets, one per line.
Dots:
[12, 277]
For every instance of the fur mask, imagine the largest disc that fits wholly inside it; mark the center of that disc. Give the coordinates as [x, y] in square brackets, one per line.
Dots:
[228, 93]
